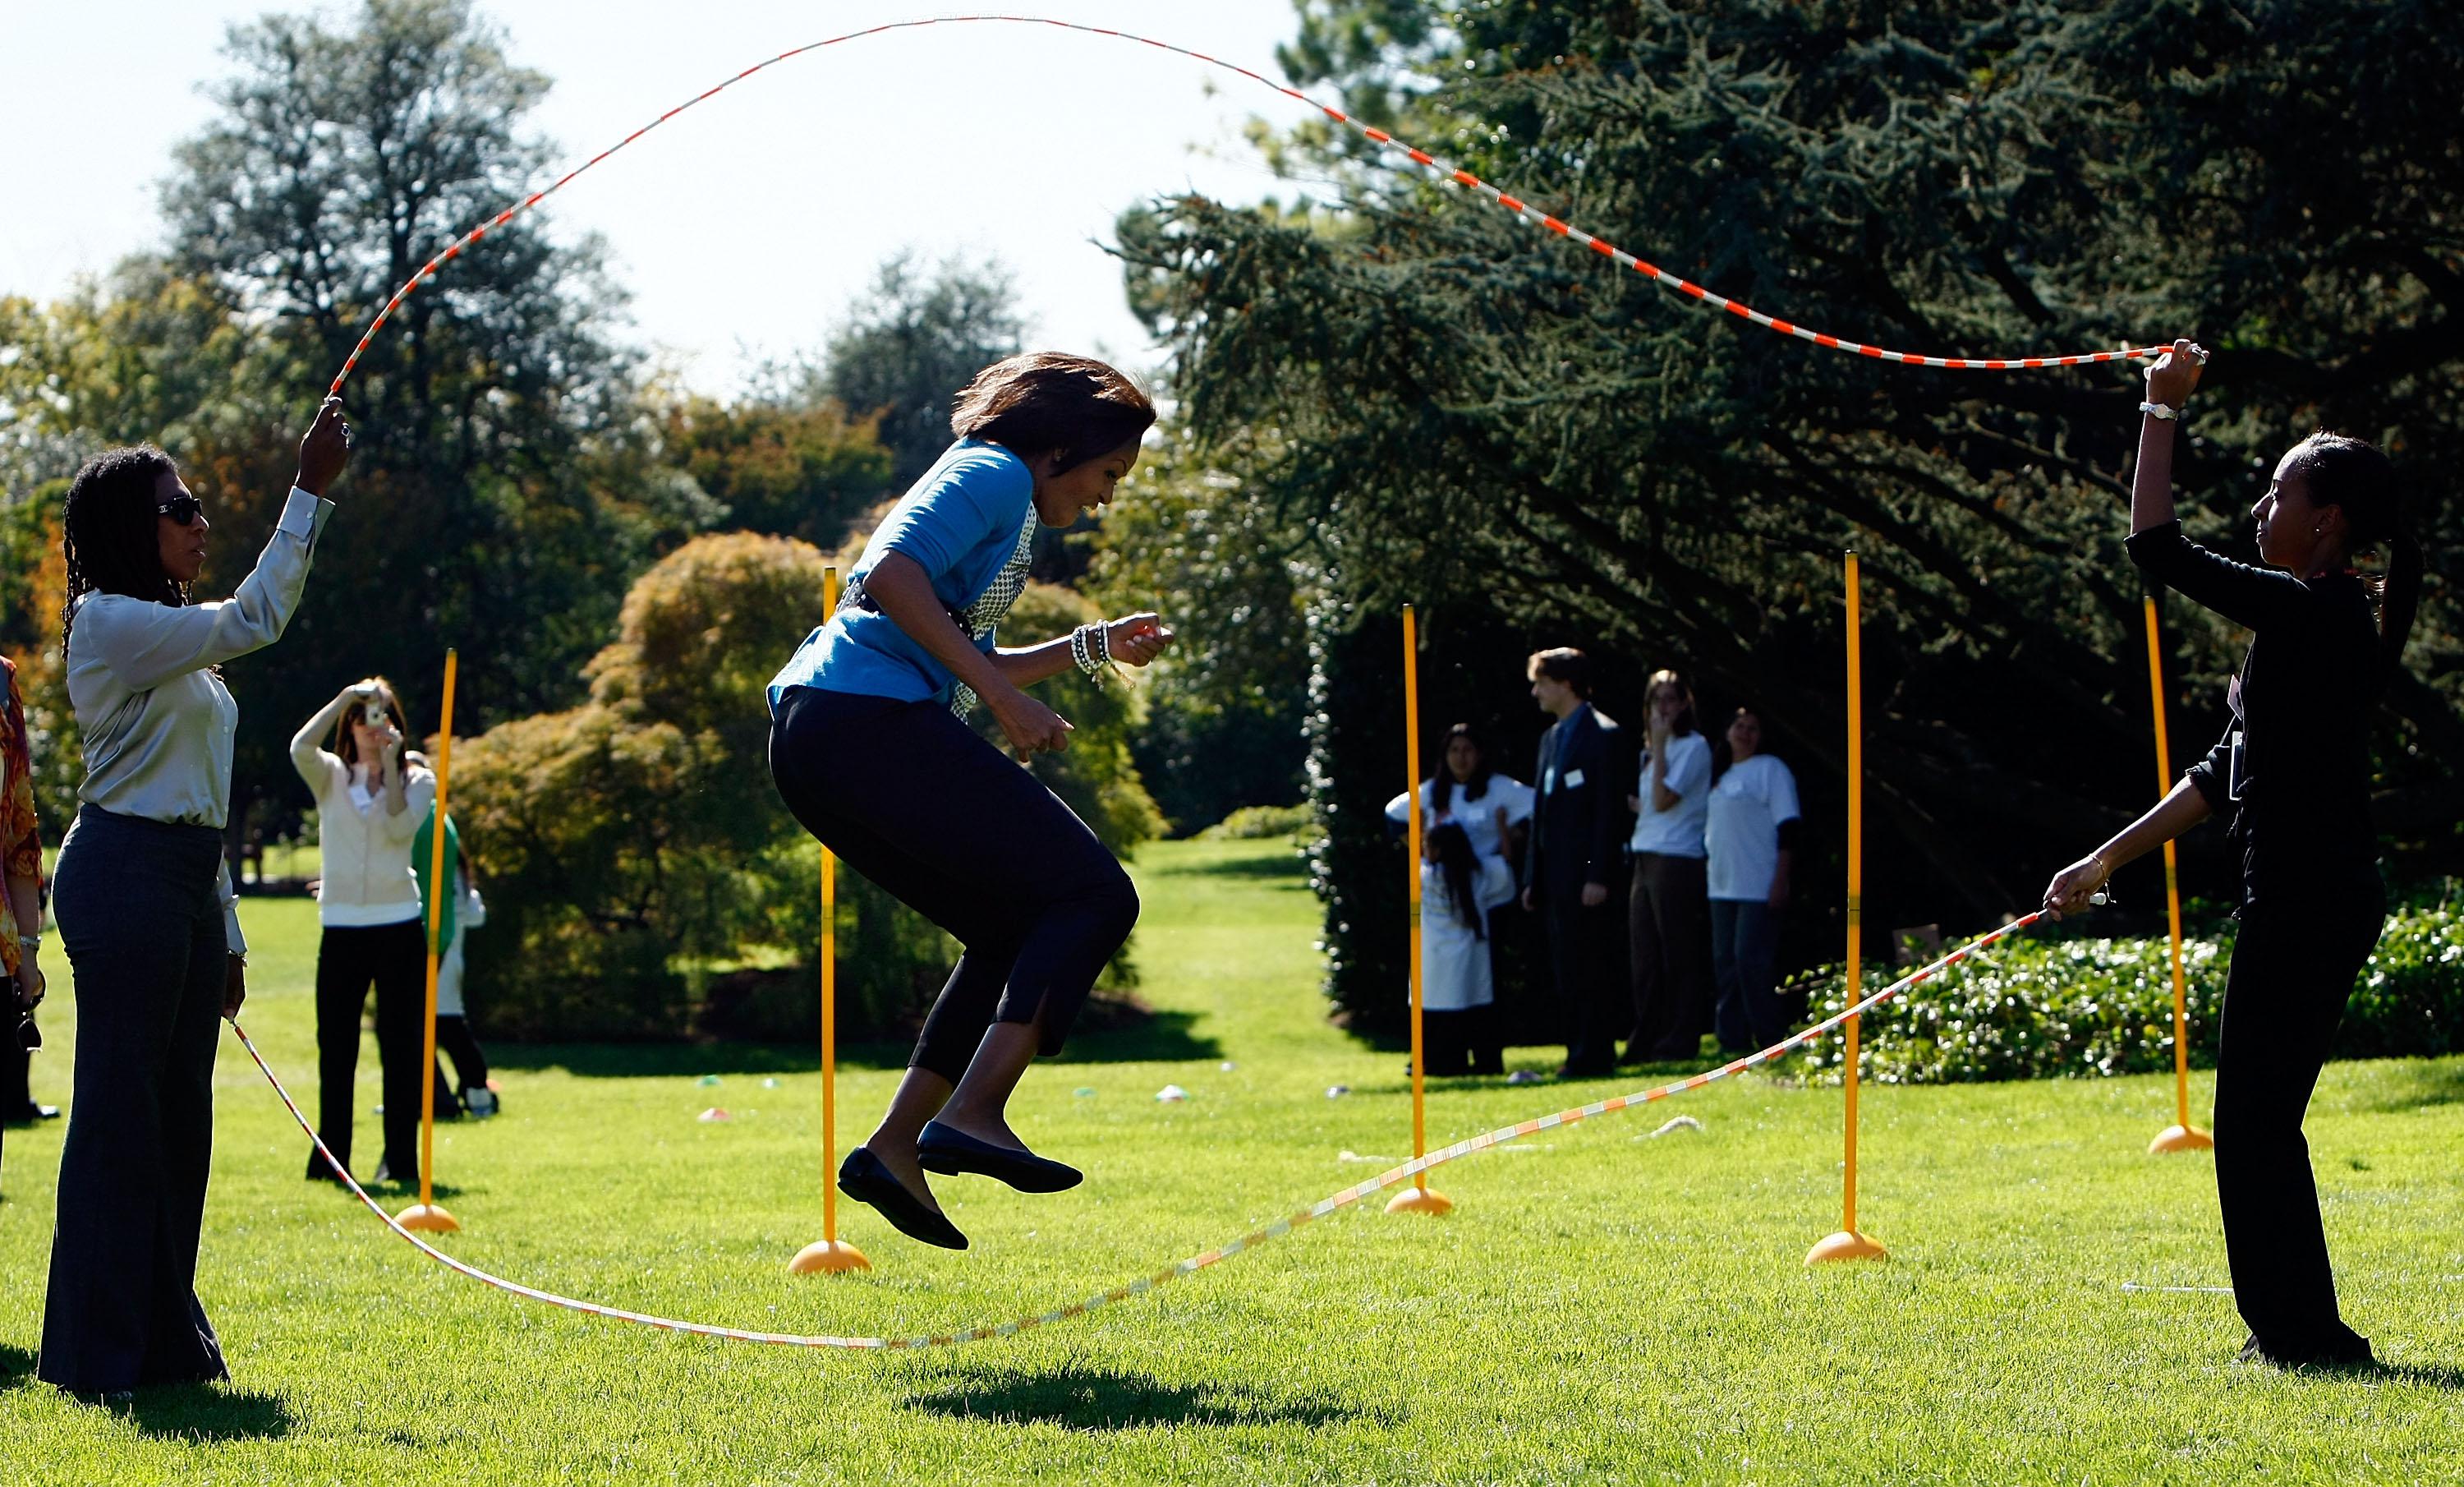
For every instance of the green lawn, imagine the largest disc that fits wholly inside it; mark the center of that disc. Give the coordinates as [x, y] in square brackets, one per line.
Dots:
[1601, 1306]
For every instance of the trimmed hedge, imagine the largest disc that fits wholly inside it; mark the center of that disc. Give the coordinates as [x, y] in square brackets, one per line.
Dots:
[2087, 1009]
[1256, 823]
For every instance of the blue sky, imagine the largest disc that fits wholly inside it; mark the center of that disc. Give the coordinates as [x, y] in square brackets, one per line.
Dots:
[743, 227]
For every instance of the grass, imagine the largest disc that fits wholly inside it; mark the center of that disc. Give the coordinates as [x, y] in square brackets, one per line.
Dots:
[1600, 1307]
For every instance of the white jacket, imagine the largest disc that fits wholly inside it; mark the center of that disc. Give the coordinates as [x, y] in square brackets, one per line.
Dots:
[368, 872]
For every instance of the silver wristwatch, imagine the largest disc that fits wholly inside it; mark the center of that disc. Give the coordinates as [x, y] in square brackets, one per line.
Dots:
[2164, 411]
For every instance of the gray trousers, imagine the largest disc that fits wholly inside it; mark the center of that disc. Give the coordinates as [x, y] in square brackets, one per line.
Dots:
[146, 954]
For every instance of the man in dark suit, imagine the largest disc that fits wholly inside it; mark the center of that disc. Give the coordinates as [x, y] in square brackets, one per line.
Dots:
[1572, 858]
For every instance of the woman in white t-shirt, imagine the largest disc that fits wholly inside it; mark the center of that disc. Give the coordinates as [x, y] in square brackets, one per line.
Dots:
[1458, 985]
[1668, 922]
[369, 804]
[1752, 838]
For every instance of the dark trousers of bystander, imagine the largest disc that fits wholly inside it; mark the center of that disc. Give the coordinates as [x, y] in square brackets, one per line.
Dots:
[1668, 949]
[911, 798]
[454, 1040]
[2294, 964]
[147, 952]
[1584, 958]
[395, 959]
[1745, 946]
[1466, 1040]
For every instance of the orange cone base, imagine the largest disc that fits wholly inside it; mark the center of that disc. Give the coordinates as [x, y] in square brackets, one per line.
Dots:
[1847, 1245]
[428, 1218]
[828, 1257]
[2181, 1138]
[1421, 1200]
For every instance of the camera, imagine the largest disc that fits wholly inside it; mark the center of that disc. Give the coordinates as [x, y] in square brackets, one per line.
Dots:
[373, 714]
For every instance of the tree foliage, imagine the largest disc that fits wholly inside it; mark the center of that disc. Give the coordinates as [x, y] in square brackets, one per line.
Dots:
[1488, 416]
[501, 496]
[910, 342]
[631, 839]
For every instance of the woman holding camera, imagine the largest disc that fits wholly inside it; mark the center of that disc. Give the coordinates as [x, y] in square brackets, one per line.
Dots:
[370, 802]
[146, 906]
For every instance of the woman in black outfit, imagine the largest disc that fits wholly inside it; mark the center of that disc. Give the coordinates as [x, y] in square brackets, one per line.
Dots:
[2294, 768]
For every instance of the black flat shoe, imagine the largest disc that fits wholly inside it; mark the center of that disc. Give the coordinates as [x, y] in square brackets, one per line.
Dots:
[868, 1180]
[941, 1149]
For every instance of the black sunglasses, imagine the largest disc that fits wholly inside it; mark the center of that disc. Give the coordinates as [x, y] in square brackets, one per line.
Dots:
[183, 508]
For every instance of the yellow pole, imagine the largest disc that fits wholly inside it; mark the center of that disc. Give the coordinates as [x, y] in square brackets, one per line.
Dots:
[2181, 1135]
[830, 1256]
[1848, 1244]
[425, 1215]
[1419, 1199]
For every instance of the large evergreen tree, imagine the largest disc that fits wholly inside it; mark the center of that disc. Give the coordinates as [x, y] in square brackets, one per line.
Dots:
[1495, 422]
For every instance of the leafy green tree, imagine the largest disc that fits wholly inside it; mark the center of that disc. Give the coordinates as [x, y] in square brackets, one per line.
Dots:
[637, 836]
[1482, 415]
[1229, 570]
[504, 490]
[914, 338]
[791, 467]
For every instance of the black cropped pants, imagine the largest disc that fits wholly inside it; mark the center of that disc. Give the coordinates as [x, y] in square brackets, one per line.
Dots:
[911, 798]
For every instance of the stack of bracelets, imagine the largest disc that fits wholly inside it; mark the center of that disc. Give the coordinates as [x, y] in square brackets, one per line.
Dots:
[1090, 646]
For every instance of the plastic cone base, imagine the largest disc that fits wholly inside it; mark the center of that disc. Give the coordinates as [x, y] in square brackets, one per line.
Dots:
[1421, 1200]
[2181, 1138]
[828, 1257]
[1846, 1245]
[428, 1218]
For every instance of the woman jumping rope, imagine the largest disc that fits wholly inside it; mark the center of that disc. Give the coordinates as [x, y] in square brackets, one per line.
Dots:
[870, 752]
[2293, 768]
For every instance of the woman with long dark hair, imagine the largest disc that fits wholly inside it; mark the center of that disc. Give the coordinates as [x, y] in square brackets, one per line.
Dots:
[370, 803]
[1473, 819]
[144, 901]
[2293, 768]
[869, 750]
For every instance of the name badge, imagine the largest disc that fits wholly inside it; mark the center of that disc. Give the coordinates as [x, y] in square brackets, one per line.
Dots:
[1573, 778]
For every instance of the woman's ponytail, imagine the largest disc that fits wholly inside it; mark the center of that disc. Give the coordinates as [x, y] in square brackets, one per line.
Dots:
[2356, 475]
[2399, 597]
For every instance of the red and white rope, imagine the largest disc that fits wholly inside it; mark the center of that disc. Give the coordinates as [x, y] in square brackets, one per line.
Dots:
[1170, 1273]
[1676, 283]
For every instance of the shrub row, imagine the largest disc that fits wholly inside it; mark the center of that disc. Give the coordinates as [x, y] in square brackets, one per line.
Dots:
[2088, 1008]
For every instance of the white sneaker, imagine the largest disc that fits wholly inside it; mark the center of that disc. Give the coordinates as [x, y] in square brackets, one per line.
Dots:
[480, 1101]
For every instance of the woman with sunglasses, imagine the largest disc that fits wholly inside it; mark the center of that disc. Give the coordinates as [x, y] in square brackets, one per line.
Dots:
[145, 900]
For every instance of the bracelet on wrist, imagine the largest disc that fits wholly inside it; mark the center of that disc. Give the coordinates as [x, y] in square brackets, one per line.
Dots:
[1091, 647]
[2164, 412]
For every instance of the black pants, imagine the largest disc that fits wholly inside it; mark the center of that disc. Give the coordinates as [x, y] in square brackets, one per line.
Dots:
[454, 1041]
[1467, 1040]
[394, 956]
[1668, 946]
[1583, 955]
[909, 796]
[1745, 946]
[147, 953]
[2293, 969]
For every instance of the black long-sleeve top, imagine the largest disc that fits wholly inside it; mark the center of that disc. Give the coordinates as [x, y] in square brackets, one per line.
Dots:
[2299, 796]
